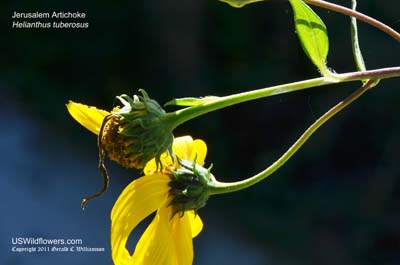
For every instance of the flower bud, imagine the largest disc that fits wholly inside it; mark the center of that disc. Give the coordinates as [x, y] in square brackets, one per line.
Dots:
[137, 132]
[189, 186]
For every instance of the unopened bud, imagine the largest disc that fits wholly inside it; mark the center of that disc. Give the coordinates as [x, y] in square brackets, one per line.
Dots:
[189, 186]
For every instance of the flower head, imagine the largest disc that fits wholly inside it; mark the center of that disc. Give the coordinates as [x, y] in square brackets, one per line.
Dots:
[168, 238]
[131, 134]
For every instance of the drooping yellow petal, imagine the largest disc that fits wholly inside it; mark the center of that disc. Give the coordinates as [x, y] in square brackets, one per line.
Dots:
[167, 240]
[182, 234]
[195, 222]
[89, 117]
[156, 246]
[138, 200]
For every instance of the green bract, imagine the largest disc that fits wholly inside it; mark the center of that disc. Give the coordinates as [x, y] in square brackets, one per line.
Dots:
[189, 186]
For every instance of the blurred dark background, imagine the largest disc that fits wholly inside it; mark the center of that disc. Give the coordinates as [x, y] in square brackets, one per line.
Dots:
[335, 202]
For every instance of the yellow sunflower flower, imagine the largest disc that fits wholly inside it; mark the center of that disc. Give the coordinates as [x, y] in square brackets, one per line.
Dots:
[168, 238]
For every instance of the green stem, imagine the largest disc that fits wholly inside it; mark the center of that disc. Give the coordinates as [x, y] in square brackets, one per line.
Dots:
[360, 16]
[220, 187]
[181, 116]
[358, 58]
[189, 113]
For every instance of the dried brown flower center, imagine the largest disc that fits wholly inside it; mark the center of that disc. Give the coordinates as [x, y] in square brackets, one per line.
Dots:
[118, 146]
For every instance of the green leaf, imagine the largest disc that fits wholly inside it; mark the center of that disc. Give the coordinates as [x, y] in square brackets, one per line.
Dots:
[239, 3]
[312, 34]
[188, 102]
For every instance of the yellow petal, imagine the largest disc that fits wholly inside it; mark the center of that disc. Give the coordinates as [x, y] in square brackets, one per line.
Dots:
[198, 152]
[195, 222]
[167, 241]
[182, 233]
[89, 117]
[151, 166]
[138, 200]
[156, 246]
[182, 147]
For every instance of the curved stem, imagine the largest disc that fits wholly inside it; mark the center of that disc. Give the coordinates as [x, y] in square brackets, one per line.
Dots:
[180, 116]
[221, 187]
[355, 44]
[360, 16]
